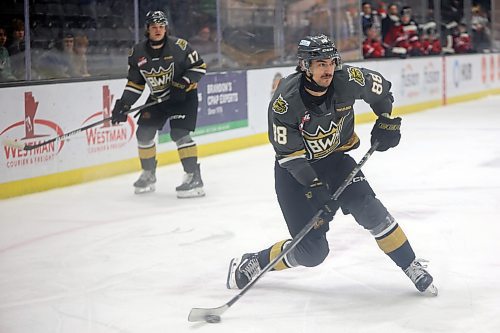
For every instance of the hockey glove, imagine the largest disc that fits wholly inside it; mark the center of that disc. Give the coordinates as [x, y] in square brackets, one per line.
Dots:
[179, 89]
[386, 131]
[320, 198]
[119, 113]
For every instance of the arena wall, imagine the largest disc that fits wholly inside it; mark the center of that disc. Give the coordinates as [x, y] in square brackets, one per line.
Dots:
[232, 115]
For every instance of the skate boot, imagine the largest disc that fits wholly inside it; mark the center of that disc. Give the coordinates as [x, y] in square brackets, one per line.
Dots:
[242, 271]
[192, 185]
[420, 277]
[146, 182]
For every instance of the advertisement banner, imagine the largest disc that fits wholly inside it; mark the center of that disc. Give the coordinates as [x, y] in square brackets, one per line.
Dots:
[468, 74]
[413, 81]
[32, 115]
[222, 99]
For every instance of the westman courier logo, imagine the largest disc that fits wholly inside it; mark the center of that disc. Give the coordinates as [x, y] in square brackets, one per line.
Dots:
[34, 129]
[107, 137]
[31, 130]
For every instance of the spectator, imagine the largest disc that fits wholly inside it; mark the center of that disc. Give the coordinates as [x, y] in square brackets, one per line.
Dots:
[203, 41]
[394, 35]
[5, 69]
[16, 49]
[367, 17]
[431, 45]
[480, 30]
[407, 11]
[81, 44]
[372, 45]
[410, 32]
[462, 42]
[58, 62]
[390, 19]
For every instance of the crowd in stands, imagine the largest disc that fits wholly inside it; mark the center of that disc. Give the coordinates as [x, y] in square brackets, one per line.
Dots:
[68, 39]
[391, 31]
[81, 38]
[66, 58]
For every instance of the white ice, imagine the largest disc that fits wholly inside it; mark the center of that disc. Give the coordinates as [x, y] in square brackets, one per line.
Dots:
[95, 258]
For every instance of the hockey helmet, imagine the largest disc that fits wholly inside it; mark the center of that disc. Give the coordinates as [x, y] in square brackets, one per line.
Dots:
[315, 48]
[156, 16]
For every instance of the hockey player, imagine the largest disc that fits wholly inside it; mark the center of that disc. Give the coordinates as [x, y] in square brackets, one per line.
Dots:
[171, 69]
[311, 127]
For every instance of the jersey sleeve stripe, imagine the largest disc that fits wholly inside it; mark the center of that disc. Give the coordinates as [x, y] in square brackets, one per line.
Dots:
[135, 91]
[198, 70]
[135, 85]
[291, 157]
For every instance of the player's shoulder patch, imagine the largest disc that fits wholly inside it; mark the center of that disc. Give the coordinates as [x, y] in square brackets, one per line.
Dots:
[182, 43]
[280, 105]
[356, 75]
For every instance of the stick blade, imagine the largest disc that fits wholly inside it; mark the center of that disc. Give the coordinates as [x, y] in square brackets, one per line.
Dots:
[14, 144]
[199, 314]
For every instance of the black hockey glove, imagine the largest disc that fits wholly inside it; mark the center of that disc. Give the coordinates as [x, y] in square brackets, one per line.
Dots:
[386, 131]
[119, 113]
[320, 198]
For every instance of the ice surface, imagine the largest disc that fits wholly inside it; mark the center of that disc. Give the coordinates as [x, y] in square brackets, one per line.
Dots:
[95, 258]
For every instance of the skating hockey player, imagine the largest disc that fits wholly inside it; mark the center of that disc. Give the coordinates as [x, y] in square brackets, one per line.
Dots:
[311, 127]
[171, 69]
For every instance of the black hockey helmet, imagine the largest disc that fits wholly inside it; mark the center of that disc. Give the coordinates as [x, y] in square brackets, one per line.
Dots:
[156, 16]
[317, 47]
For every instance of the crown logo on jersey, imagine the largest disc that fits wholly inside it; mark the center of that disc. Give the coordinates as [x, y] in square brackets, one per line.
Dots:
[322, 142]
[182, 43]
[280, 106]
[356, 75]
[159, 79]
[320, 132]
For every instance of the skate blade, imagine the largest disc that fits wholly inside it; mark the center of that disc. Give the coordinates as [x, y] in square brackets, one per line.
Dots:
[431, 291]
[233, 265]
[142, 190]
[193, 193]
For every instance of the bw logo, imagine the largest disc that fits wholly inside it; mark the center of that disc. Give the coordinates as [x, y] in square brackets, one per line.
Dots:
[182, 43]
[159, 79]
[356, 75]
[280, 106]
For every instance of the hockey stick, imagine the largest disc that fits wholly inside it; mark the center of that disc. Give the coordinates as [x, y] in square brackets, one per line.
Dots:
[212, 315]
[24, 146]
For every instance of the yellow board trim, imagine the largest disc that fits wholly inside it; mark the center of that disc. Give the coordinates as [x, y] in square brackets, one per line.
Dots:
[275, 251]
[78, 176]
[393, 241]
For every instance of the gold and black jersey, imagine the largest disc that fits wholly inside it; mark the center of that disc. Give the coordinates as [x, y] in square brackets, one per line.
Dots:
[302, 132]
[158, 68]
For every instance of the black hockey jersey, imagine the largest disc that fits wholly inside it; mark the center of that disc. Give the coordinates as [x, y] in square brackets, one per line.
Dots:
[302, 132]
[159, 68]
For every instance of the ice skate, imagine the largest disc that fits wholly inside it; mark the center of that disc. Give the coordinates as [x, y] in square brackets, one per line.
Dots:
[146, 182]
[192, 185]
[242, 271]
[421, 278]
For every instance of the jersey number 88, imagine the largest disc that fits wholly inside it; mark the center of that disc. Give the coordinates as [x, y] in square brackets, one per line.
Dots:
[377, 84]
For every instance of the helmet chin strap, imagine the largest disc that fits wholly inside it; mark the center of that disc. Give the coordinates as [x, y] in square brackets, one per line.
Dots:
[310, 84]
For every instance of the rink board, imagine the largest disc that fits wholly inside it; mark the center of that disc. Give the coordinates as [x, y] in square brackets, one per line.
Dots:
[232, 115]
